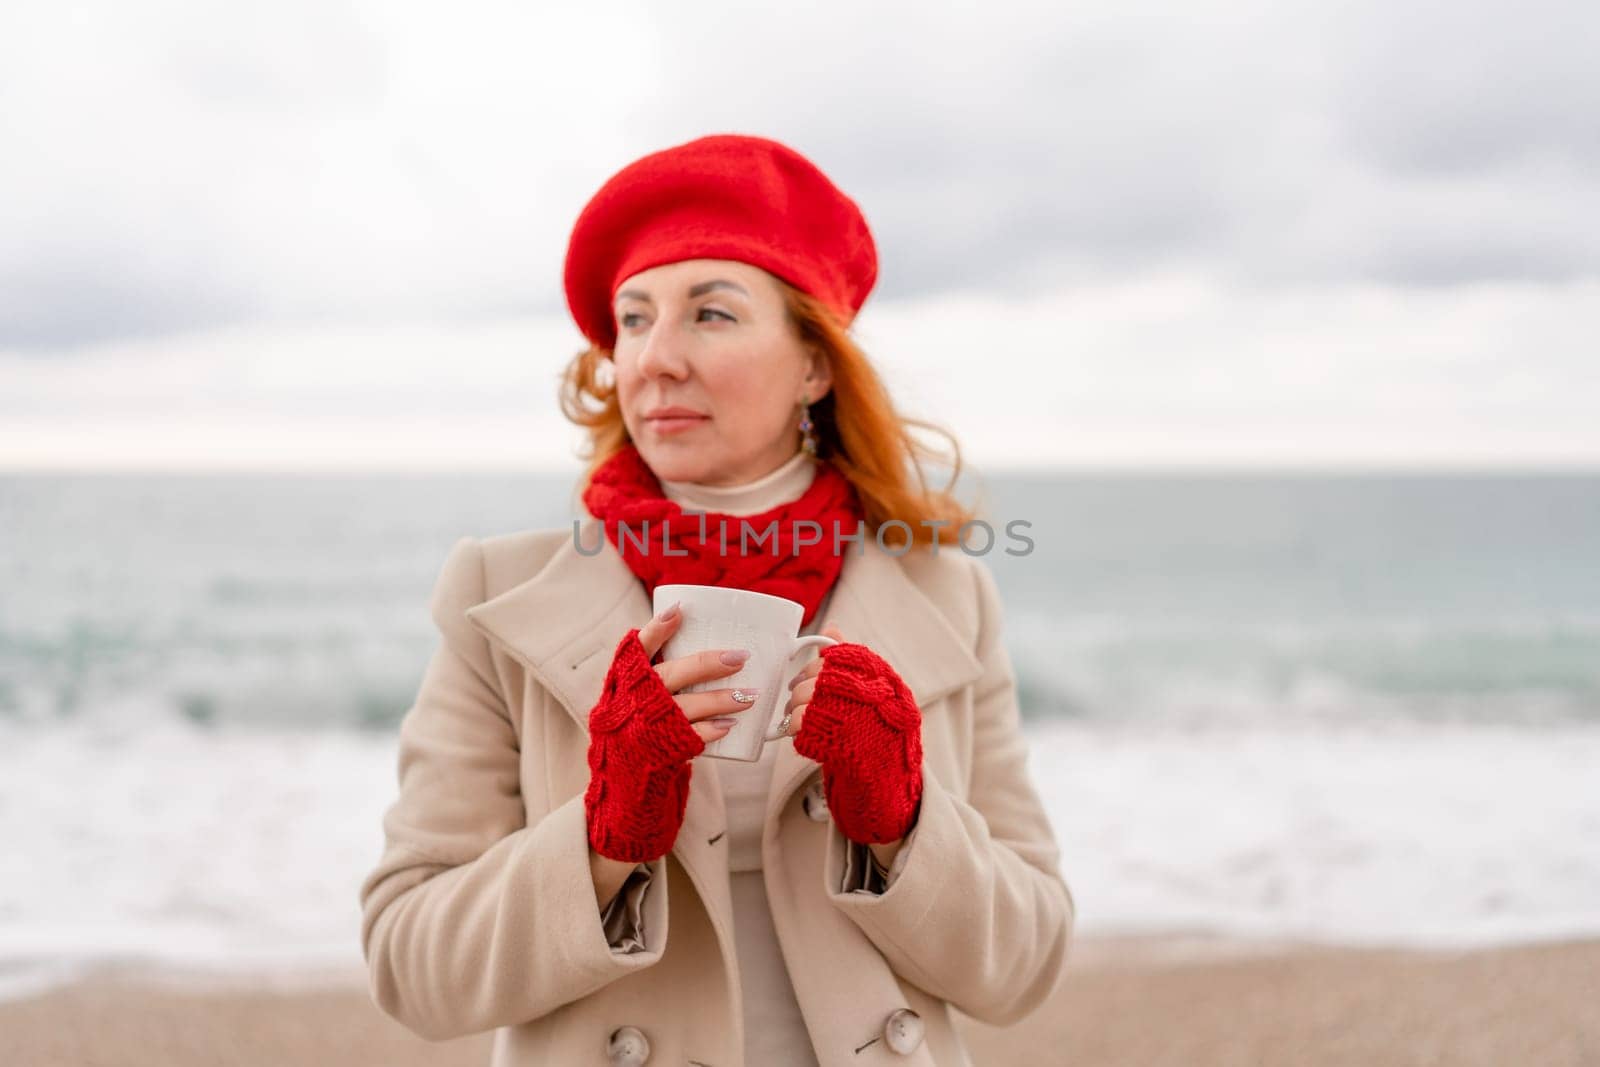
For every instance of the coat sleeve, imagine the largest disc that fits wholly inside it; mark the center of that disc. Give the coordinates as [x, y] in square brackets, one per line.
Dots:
[623, 918]
[978, 913]
[473, 919]
[864, 874]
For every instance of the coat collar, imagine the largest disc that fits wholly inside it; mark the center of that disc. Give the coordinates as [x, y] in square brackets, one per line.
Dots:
[564, 623]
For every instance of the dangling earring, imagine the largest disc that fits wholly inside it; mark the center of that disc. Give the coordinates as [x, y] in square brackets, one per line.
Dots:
[808, 440]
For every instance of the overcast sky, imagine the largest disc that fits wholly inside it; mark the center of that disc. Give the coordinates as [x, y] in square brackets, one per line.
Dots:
[314, 235]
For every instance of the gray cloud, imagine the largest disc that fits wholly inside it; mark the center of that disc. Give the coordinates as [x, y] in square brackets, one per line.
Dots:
[307, 168]
[1276, 143]
[67, 297]
[1491, 87]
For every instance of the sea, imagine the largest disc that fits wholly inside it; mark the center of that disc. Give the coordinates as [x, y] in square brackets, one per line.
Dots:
[1354, 707]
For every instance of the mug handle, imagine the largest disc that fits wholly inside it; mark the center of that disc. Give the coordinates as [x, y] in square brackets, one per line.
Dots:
[821, 641]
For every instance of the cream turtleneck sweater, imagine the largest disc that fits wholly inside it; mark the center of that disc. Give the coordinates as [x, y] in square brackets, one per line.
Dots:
[774, 1029]
[781, 485]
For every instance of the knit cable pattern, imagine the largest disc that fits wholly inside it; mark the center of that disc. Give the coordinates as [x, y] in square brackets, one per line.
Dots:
[640, 743]
[863, 725]
[625, 493]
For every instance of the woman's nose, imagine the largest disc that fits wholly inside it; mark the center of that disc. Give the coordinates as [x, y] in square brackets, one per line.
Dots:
[662, 354]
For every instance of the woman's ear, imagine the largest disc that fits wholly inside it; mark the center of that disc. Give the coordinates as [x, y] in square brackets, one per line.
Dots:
[819, 377]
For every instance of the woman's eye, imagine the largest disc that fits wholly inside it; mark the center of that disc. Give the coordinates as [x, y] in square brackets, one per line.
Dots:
[624, 319]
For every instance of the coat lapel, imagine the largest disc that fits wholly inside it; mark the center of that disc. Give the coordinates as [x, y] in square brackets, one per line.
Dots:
[565, 621]
[563, 624]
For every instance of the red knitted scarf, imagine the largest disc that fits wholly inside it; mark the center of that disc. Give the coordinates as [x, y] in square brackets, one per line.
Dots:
[625, 492]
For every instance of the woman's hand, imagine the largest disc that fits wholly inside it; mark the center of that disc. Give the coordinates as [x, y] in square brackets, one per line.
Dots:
[713, 711]
[858, 718]
[804, 684]
[642, 735]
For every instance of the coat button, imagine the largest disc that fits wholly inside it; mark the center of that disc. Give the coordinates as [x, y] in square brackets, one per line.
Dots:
[903, 1031]
[815, 801]
[627, 1046]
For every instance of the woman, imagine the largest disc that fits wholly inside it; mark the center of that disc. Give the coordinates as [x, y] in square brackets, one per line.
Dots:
[559, 866]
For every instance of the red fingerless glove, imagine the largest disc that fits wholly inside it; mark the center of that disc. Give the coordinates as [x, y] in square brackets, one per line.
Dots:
[640, 743]
[863, 725]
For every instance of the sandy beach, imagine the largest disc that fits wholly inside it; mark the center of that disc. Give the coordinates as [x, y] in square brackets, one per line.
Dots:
[1192, 1002]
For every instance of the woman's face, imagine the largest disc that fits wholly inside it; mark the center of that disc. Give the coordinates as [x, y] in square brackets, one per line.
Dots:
[711, 336]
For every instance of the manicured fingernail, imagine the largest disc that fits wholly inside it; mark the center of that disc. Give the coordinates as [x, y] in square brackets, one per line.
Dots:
[668, 613]
[744, 696]
[724, 720]
[735, 656]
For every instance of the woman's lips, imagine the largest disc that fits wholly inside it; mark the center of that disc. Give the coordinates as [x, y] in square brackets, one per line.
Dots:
[676, 423]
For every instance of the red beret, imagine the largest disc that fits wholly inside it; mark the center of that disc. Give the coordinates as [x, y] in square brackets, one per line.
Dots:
[724, 196]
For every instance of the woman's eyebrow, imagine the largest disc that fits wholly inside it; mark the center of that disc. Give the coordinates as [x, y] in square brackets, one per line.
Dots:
[698, 289]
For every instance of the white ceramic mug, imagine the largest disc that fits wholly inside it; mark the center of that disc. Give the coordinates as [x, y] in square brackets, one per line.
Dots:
[768, 627]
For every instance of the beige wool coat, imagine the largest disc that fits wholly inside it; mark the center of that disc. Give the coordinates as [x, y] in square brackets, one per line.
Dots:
[481, 912]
